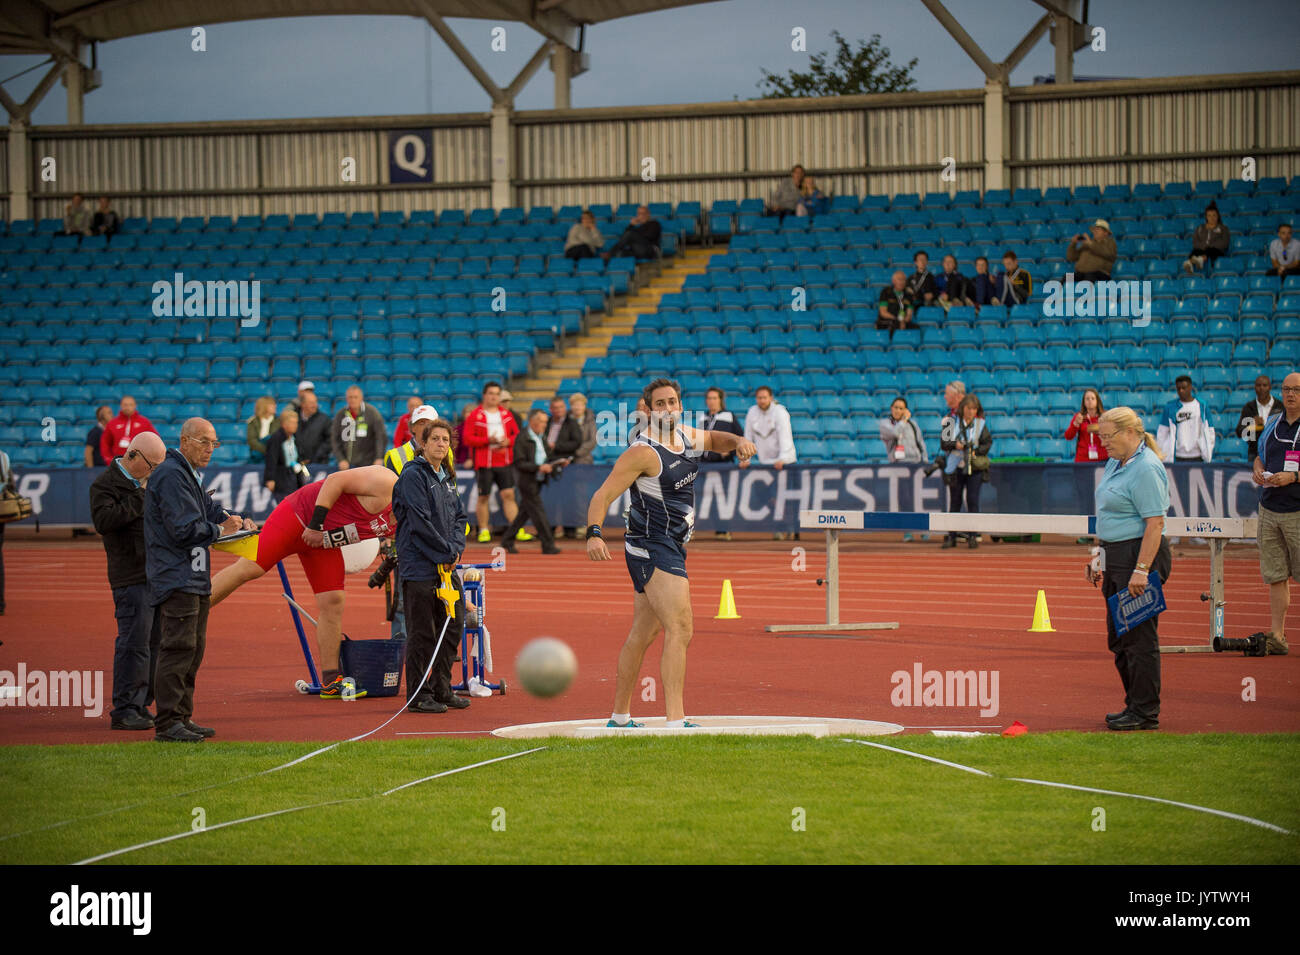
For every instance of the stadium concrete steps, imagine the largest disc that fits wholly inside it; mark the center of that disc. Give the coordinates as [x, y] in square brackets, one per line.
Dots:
[545, 382]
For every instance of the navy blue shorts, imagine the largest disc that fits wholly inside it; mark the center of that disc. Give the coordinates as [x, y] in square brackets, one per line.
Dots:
[645, 555]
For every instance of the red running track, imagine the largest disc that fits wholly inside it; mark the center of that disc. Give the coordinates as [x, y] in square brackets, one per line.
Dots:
[958, 610]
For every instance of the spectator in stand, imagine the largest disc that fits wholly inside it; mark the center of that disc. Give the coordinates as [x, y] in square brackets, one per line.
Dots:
[788, 196]
[94, 459]
[357, 436]
[982, 286]
[313, 437]
[563, 435]
[1209, 241]
[904, 443]
[77, 219]
[1184, 433]
[586, 422]
[260, 425]
[897, 305]
[969, 446]
[718, 418]
[1284, 252]
[1094, 257]
[284, 472]
[106, 221]
[640, 239]
[402, 433]
[921, 283]
[1013, 285]
[812, 201]
[303, 388]
[584, 240]
[119, 432]
[954, 288]
[767, 427]
[1255, 413]
[464, 453]
[491, 431]
[1083, 428]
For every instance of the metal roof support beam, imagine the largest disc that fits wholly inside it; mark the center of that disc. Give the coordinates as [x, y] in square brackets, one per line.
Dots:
[562, 67]
[1024, 46]
[20, 167]
[497, 94]
[74, 80]
[529, 70]
[502, 137]
[22, 113]
[990, 69]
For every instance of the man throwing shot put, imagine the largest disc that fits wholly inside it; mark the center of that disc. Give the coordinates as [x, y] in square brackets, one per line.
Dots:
[660, 468]
[314, 522]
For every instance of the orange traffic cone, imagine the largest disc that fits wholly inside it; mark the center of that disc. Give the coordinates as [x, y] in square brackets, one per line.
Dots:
[1015, 729]
[727, 605]
[1042, 622]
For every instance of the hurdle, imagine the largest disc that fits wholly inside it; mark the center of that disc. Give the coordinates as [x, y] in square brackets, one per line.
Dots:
[1216, 530]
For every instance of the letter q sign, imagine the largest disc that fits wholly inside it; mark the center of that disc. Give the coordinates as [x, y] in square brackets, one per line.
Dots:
[410, 156]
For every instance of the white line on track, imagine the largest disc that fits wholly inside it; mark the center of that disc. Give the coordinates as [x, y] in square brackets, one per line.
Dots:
[282, 812]
[1087, 789]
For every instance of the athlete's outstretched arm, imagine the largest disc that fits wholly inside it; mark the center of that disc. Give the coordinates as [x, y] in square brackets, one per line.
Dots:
[631, 464]
[723, 442]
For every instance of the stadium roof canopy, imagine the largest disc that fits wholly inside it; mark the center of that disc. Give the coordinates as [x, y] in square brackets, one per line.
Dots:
[51, 26]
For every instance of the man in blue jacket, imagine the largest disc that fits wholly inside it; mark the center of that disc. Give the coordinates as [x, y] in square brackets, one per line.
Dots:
[180, 523]
[430, 539]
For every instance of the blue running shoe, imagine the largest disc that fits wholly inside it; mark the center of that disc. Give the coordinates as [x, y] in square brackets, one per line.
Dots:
[630, 724]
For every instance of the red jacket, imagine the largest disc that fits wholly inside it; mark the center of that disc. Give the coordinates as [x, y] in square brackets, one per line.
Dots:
[402, 433]
[1087, 439]
[476, 437]
[119, 432]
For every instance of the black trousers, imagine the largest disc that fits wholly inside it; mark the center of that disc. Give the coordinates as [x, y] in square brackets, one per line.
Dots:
[1092, 276]
[580, 251]
[425, 617]
[135, 652]
[531, 508]
[634, 246]
[960, 481]
[1137, 653]
[180, 654]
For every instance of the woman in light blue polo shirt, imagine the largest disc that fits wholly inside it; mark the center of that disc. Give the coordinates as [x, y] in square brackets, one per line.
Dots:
[1132, 500]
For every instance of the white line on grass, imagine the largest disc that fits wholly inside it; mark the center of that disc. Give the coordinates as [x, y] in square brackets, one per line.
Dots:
[1169, 802]
[1087, 789]
[282, 812]
[930, 759]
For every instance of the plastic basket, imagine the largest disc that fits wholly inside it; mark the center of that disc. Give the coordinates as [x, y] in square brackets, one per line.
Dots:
[375, 665]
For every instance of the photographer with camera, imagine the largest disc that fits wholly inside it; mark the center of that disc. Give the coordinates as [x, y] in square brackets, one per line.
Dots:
[533, 467]
[967, 440]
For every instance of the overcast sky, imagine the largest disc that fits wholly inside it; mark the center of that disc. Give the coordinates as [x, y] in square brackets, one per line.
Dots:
[343, 66]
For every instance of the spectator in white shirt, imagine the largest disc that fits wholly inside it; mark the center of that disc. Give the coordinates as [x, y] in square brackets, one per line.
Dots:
[767, 425]
[1284, 251]
[1184, 434]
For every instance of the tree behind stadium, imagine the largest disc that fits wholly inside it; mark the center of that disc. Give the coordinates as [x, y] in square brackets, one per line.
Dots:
[865, 70]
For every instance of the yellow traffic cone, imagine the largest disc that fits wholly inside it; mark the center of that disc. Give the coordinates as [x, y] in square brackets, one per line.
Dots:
[1042, 622]
[727, 605]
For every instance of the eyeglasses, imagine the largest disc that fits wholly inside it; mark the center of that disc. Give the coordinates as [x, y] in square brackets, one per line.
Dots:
[206, 443]
[1292, 391]
[1107, 436]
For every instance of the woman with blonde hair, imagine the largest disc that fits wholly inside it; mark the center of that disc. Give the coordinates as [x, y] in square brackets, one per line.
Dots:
[1132, 500]
[260, 426]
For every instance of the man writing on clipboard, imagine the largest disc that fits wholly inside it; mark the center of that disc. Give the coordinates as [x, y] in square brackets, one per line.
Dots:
[1132, 500]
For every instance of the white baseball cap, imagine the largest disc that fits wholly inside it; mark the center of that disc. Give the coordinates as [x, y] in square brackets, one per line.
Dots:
[306, 386]
[424, 413]
[1101, 224]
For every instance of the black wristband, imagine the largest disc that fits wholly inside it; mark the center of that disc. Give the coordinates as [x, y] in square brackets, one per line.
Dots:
[594, 531]
[318, 518]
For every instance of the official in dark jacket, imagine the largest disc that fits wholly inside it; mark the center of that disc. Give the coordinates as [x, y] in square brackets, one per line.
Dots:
[117, 510]
[313, 437]
[534, 465]
[283, 472]
[431, 523]
[180, 523]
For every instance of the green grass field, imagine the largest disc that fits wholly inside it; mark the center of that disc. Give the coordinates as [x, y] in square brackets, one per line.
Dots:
[705, 800]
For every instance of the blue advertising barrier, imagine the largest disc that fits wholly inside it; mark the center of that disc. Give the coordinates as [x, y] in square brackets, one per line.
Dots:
[742, 499]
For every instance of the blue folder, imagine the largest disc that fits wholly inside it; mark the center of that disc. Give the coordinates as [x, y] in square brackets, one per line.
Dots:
[1129, 611]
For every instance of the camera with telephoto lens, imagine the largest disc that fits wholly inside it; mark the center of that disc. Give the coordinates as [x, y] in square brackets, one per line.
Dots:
[385, 568]
[939, 461]
[1256, 645]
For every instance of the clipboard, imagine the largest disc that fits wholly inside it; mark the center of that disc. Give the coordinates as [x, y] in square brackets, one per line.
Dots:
[1128, 611]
